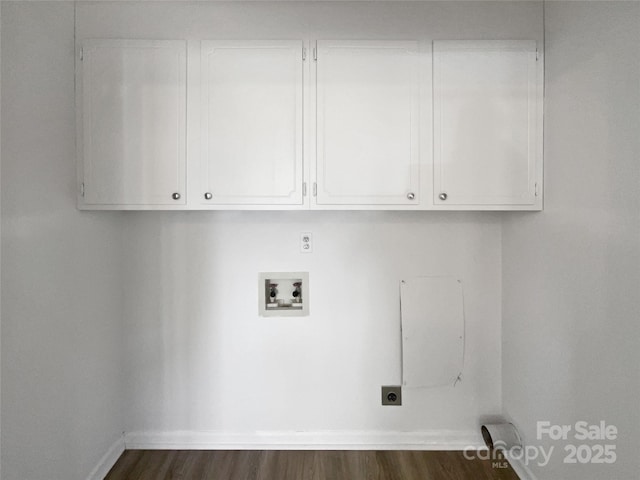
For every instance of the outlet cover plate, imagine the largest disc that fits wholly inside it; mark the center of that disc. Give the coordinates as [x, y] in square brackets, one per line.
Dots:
[306, 242]
[392, 395]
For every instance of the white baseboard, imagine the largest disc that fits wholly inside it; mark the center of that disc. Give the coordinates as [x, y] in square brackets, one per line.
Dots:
[108, 460]
[332, 440]
[362, 440]
[521, 469]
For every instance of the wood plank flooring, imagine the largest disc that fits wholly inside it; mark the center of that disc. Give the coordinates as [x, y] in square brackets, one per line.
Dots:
[305, 465]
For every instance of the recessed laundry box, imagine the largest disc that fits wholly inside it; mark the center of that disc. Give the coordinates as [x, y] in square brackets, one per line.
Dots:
[283, 294]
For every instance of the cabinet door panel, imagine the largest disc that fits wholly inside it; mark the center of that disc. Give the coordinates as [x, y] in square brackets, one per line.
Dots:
[367, 130]
[252, 122]
[485, 123]
[134, 122]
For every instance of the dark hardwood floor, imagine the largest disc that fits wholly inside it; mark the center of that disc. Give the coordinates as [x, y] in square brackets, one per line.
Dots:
[305, 465]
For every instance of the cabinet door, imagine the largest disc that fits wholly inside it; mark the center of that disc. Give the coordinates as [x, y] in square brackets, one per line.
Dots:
[367, 123]
[486, 138]
[252, 122]
[134, 122]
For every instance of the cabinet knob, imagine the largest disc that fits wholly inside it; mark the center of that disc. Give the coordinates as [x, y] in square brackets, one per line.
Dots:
[411, 195]
[208, 196]
[442, 196]
[176, 196]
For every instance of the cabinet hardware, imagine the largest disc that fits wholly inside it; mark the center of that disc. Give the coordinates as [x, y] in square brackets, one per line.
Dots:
[304, 54]
[176, 196]
[315, 54]
[442, 196]
[411, 195]
[304, 189]
[208, 196]
[315, 189]
[82, 189]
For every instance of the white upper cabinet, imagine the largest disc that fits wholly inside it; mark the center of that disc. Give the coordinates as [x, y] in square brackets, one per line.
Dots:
[367, 123]
[353, 124]
[487, 124]
[133, 122]
[251, 123]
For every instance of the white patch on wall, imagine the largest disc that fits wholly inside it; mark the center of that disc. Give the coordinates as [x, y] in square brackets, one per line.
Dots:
[432, 312]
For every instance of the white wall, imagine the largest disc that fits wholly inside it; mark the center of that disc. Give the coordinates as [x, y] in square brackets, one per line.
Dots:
[61, 293]
[200, 360]
[571, 274]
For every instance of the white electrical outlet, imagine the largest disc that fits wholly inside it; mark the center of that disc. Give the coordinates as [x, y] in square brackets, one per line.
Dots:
[306, 242]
